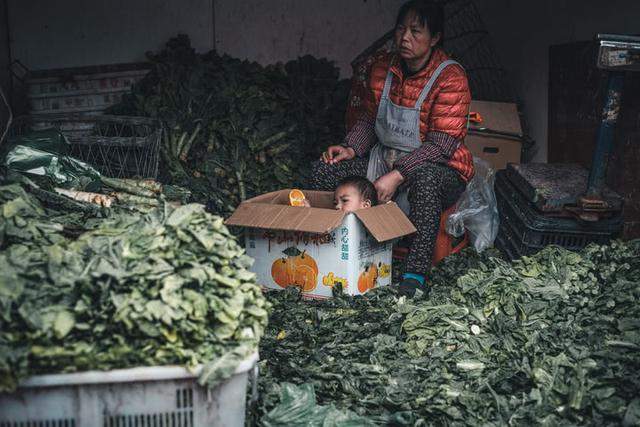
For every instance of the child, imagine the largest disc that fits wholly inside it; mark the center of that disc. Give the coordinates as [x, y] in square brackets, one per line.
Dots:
[352, 193]
[355, 192]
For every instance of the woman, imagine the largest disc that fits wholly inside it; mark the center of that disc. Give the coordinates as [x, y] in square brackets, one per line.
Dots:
[409, 140]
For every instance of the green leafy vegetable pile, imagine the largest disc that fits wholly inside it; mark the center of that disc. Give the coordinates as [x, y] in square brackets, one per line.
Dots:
[167, 287]
[552, 339]
[234, 129]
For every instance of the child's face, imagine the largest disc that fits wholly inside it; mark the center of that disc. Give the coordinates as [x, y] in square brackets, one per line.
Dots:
[347, 198]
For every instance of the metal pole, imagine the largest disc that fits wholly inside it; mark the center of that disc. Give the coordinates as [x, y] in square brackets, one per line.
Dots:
[606, 134]
[9, 54]
[213, 25]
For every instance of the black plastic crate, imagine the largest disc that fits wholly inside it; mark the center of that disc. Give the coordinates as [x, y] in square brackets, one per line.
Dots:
[524, 231]
[550, 187]
[510, 245]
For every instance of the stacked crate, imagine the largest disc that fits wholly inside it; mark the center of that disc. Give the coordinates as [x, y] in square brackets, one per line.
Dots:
[73, 101]
[525, 228]
[81, 90]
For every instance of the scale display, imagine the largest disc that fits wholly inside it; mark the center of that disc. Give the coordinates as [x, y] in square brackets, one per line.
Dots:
[618, 52]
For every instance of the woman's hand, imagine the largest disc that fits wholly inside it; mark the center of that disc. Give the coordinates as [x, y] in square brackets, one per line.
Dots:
[387, 185]
[337, 153]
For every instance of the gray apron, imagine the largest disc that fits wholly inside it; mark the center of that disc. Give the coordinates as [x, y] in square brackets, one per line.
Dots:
[398, 132]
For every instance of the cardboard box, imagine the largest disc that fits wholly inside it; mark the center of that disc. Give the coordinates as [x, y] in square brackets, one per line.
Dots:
[319, 247]
[497, 150]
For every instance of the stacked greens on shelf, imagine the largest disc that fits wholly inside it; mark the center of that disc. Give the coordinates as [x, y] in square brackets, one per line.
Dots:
[234, 129]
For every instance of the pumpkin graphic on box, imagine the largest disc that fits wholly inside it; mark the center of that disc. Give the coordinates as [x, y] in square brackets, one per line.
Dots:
[368, 278]
[297, 268]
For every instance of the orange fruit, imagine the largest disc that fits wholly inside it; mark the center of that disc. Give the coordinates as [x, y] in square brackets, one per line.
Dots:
[363, 283]
[306, 260]
[306, 278]
[368, 278]
[373, 276]
[373, 271]
[296, 198]
[297, 268]
[281, 271]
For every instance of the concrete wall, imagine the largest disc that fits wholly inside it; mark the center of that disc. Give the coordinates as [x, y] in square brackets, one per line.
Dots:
[279, 30]
[4, 64]
[75, 33]
[522, 33]
[69, 33]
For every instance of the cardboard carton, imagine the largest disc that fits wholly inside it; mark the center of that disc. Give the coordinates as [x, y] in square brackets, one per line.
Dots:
[319, 247]
[497, 150]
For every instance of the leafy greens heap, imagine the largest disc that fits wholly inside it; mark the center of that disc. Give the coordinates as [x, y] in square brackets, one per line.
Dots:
[167, 287]
[551, 339]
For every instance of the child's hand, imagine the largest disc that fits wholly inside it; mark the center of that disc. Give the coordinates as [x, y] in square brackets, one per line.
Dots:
[306, 203]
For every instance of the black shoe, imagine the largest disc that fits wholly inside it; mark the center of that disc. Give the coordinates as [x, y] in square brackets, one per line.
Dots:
[408, 287]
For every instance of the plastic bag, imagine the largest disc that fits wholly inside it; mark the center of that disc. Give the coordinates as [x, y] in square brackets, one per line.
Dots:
[298, 407]
[477, 209]
[50, 140]
[43, 154]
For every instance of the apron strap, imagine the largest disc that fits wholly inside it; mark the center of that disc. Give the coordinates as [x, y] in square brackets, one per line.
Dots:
[432, 80]
[387, 85]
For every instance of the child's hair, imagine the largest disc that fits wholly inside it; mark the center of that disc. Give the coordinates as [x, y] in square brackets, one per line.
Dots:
[363, 185]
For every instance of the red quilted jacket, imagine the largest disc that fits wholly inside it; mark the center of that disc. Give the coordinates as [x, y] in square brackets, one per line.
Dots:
[444, 111]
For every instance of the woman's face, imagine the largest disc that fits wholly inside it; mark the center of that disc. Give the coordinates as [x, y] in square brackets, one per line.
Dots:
[414, 40]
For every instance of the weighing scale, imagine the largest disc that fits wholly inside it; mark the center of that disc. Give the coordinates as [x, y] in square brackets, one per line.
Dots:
[569, 189]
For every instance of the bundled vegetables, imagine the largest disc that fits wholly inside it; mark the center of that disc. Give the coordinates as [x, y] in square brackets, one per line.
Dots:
[234, 129]
[78, 292]
[552, 339]
[39, 159]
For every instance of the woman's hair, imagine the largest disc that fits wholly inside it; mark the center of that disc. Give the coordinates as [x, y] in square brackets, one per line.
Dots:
[363, 185]
[428, 13]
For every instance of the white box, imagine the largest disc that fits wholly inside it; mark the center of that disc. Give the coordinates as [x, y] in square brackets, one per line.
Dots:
[319, 247]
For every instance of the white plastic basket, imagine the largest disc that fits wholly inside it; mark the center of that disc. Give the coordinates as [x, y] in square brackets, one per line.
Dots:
[81, 89]
[161, 396]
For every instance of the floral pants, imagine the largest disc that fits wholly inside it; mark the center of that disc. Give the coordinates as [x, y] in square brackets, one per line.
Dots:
[433, 188]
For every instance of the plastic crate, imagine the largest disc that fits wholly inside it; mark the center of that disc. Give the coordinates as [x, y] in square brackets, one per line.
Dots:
[525, 231]
[143, 397]
[510, 245]
[505, 247]
[117, 146]
[549, 187]
[79, 89]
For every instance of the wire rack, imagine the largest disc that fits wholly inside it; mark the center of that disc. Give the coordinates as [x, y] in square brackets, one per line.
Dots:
[117, 146]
